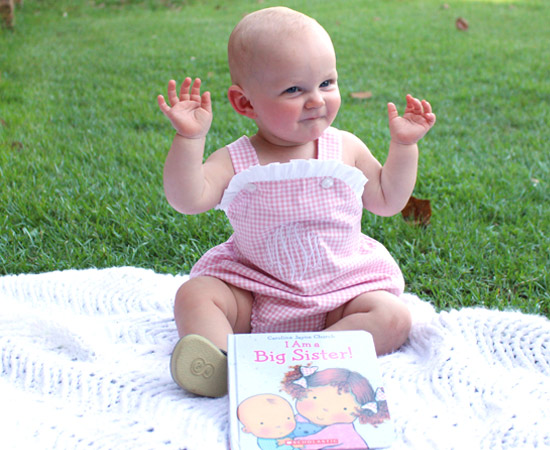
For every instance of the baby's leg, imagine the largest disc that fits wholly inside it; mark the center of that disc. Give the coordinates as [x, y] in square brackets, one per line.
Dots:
[213, 309]
[206, 311]
[380, 313]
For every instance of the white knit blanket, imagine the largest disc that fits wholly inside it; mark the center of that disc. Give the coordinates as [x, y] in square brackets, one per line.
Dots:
[85, 358]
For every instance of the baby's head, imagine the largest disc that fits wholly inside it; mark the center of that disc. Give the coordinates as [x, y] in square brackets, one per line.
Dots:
[334, 395]
[272, 34]
[283, 69]
[266, 416]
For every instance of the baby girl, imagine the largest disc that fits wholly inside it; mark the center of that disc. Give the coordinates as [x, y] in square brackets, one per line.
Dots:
[294, 193]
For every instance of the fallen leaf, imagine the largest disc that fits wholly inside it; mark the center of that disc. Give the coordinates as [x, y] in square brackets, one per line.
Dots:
[461, 24]
[361, 95]
[417, 211]
[445, 6]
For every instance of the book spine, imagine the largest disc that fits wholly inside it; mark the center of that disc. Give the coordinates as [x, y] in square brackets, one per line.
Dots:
[232, 390]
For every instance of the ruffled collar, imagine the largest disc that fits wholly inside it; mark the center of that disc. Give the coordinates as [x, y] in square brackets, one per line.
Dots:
[295, 169]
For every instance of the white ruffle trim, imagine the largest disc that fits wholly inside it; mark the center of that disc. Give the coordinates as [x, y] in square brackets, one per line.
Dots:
[295, 169]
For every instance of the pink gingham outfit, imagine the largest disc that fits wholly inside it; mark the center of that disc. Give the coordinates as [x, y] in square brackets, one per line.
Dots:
[297, 243]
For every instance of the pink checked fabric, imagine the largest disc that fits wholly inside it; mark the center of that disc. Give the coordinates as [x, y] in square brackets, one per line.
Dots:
[297, 243]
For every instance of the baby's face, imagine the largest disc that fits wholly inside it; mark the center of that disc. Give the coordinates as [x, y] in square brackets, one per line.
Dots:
[325, 405]
[293, 87]
[269, 417]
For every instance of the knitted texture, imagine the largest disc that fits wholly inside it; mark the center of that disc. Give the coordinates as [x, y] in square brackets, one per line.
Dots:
[85, 364]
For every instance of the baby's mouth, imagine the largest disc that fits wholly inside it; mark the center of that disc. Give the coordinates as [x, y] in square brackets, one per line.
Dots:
[308, 119]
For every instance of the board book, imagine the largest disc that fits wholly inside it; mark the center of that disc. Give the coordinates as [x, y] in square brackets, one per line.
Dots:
[312, 391]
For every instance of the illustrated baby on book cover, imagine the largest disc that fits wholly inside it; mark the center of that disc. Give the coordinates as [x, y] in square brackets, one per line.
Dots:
[308, 391]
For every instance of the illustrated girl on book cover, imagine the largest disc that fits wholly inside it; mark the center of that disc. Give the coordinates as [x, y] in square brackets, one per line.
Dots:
[328, 402]
[334, 399]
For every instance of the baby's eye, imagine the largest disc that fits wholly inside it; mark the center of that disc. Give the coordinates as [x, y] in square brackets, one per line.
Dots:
[326, 83]
[292, 90]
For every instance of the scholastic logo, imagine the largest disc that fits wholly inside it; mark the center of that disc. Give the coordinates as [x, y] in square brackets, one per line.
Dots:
[311, 441]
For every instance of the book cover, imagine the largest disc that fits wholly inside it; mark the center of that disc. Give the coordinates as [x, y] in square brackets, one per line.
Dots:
[309, 391]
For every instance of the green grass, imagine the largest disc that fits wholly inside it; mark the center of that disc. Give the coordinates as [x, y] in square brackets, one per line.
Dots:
[82, 143]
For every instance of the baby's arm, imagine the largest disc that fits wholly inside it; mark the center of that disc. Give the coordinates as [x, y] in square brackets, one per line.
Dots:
[390, 186]
[192, 187]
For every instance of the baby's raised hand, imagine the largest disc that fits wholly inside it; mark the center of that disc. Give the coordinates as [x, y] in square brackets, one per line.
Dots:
[414, 124]
[191, 112]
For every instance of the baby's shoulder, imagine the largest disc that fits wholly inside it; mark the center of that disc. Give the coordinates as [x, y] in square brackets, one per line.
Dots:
[352, 147]
[220, 157]
[351, 140]
[220, 167]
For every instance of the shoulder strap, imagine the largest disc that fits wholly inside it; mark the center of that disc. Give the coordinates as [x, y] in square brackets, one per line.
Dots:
[243, 155]
[329, 145]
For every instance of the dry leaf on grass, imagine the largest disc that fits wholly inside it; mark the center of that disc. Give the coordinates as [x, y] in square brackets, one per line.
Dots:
[364, 95]
[17, 146]
[417, 211]
[461, 24]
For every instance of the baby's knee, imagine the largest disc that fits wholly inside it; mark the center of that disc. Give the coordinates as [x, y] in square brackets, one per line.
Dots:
[207, 292]
[398, 322]
[194, 291]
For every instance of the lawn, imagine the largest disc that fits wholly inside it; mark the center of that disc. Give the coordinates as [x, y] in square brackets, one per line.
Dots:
[82, 142]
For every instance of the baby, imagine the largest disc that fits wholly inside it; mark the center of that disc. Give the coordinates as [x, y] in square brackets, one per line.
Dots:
[294, 193]
[271, 419]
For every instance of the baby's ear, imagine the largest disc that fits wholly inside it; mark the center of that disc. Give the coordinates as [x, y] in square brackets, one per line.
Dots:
[240, 102]
[245, 430]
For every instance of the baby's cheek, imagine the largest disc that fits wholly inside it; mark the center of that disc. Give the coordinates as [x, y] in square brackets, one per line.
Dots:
[265, 432]
[341, 417]
[305, 406]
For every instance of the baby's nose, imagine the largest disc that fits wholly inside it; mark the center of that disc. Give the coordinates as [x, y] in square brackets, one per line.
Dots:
[315, 100]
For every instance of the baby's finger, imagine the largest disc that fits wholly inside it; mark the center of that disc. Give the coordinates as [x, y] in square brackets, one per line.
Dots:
[410, 105]
[196, 90]
[184, 89]
[428, 114]
[392, 111]
[426, 106]
[206, 102]
[162, 104]
[415, 104]
[172, 95]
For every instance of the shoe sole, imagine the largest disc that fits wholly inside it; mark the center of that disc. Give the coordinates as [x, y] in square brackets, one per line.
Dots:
[198, 366]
